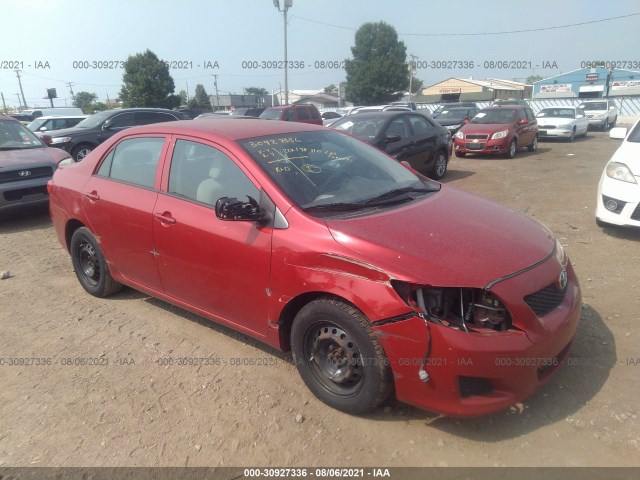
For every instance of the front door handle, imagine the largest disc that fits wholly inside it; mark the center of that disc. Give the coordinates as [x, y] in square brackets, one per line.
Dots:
[165, 217]
[93, 196]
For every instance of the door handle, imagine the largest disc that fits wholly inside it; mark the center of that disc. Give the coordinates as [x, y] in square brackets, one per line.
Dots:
[93, 196]
[165, 217]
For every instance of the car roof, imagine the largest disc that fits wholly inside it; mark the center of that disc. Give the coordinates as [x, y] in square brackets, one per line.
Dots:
[382, 114]
[505, 107]
[284, 107]
[7, 117]
[231, 130]
[48, 117]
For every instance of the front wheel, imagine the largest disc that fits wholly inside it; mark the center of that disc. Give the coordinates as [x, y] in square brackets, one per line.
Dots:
[81, 151]
[439, 166]
[512, 149]
[534, 145]
[339, 357]
[606, 124]
[90, 266]
[572, 137]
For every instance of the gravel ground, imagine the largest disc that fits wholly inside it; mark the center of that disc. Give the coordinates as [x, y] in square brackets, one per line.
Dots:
[125, 409]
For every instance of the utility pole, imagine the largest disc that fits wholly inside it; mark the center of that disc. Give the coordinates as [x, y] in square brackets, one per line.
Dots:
[21, 91]
[4, 104]
[287, 5]
[19, 102]
[411, 70]
[70, 85]
[215, 84]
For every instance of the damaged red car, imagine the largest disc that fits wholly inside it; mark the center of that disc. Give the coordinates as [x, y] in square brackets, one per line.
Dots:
[379, 280]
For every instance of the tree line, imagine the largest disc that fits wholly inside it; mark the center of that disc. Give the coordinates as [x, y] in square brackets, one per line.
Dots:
[377, 73]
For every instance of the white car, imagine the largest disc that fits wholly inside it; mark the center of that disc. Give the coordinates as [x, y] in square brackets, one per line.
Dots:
[619, 188]
[601, 113]
[562, 122]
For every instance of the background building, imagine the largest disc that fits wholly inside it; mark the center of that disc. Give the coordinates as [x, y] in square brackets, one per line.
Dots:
[589, 83]
[468, 89]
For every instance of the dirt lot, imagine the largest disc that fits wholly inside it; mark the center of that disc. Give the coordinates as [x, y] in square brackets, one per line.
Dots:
[131, 411]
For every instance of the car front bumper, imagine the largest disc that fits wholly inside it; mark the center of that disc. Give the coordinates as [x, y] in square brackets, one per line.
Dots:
[623, 199]
[554, 132]
[478, 373]
[482, 146]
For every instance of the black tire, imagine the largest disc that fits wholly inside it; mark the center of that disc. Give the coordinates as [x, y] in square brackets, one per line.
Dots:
[79, 152]
[534, 145]
[439, 168]
[573, 135]
[606, 124]
[90, 265]
[513, 147]
[339, 357]
[615, 120]
[461, 154]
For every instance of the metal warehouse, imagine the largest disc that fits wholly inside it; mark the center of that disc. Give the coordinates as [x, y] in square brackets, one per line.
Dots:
[589, 83]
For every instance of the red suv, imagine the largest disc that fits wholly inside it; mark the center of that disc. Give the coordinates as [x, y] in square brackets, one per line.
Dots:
[498, 130]
[293, 113]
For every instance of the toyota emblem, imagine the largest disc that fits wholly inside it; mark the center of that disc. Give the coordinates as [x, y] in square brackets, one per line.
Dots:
[563, 280]
[24, 173]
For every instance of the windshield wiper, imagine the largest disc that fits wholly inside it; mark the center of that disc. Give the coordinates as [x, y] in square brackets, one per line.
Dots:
[391, 194]
[335, 207]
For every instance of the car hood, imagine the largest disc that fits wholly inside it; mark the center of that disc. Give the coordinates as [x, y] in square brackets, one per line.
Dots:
[555, 121]
[450, 239]
[449, 121]
[30, 156]
[629, 154]
[485, 128]
[63, 132]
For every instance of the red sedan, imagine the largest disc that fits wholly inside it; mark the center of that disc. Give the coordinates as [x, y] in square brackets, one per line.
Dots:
[376, 278]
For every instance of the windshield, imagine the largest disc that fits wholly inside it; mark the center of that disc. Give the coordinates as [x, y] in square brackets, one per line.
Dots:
[366, 129]
[557, 112]
[271, 114]
[15, 136]
[330, 171]
[634, 136]
[594, 106]
[453, 114]
[497, 115]
[36, 124]
[94, 120]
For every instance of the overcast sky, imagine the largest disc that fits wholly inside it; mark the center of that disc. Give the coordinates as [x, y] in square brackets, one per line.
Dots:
[51, 41]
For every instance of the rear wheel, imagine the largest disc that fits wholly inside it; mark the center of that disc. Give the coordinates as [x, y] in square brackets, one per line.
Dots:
[534, 145]
[606, 124]
[572, 137]
[339, 357]
[440, 166]
[90, 265]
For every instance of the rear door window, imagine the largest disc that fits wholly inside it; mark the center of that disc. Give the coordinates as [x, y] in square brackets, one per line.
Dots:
[134, 161]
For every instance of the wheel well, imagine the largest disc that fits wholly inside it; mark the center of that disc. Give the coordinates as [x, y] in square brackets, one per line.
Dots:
[71, 227]
[292, 308]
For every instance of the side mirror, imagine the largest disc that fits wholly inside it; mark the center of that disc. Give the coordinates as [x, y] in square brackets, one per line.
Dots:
[106, 125]
[232, 209]
[47, 139]
[618, 133]
[392, 137]
[42, 129]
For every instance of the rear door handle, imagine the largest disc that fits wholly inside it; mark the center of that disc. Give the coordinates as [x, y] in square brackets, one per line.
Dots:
[165, 217]
[93, 196]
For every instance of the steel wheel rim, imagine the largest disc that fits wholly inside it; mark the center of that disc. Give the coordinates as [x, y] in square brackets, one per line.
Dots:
[88, 263]
[512, 149]
[534, 145]
[334, 359]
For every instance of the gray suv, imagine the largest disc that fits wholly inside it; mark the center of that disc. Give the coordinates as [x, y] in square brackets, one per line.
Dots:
[80, 140]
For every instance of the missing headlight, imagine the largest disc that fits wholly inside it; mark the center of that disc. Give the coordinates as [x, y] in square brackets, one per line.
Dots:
[465, 309]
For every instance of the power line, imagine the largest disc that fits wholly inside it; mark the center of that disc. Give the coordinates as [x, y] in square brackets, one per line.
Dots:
[541, 29]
